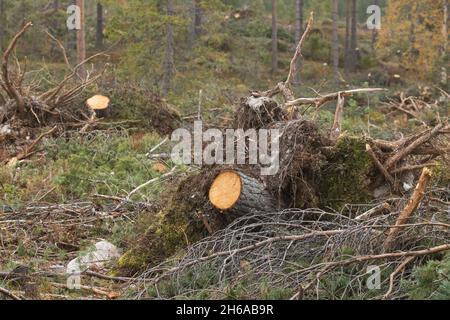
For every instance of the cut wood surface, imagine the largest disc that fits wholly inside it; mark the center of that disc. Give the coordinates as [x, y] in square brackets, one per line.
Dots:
[236, 194]
[98, 102]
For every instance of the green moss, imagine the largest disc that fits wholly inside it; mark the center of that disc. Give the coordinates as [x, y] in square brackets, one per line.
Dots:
[133, 260]
[171, 230]
[345, 179]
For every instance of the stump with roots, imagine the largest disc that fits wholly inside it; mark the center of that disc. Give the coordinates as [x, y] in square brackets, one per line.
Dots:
[22, 104]
[317, 170]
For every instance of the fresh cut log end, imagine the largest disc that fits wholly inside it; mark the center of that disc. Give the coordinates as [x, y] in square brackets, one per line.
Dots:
[226, 190]
[236, 195]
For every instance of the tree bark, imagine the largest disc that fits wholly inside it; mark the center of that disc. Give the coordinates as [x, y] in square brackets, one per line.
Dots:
[168, 64]
[347, 36]
[335, 44]
[353, 37]
[81, 40]
[274, 37]
[54, 26]
[444, 73]
[2, 24]
[100, 24]
[196, 22]
[375, 31]
[236, 195]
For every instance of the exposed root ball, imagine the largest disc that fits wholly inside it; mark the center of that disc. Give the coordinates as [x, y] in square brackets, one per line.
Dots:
[136, 103]
[257, 113]
[301, 158]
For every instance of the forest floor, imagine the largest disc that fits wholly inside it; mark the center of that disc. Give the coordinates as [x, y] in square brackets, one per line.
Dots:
[75, 191]
[79, 188]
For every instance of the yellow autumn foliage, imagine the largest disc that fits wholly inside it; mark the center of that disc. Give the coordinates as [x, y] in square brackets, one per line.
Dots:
[414, 31]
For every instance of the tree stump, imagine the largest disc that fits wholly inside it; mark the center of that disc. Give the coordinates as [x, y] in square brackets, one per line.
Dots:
[235, 195]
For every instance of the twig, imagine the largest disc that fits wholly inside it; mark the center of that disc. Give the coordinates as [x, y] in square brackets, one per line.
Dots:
[329, 97]
[331, 265]
[9, 294]
[96, 290]
[28, 150]
[394, 274]
[105, 277]
[157, 147]
[247, 248]
[63, 50]
[374, 211]
[413, 167]
[171, 172]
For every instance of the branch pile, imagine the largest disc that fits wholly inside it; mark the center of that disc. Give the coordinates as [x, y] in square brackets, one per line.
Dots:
[25, 107]
[304, 257]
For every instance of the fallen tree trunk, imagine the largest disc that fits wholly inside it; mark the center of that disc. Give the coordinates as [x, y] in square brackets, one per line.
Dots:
[235, 194]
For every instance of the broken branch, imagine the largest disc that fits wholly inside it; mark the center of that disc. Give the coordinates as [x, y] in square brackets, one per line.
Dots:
[407, 212]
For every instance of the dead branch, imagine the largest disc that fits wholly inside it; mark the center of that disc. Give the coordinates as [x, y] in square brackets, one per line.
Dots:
[413, 167]
[105, 277]
[50, 95]
[359, 259]
[336, 129]
[384, 207]
[407, 212]
[392, 161]
[319, 101]
[379, 165]
[29, 149]
[8, 86]
[399, 269]
[298, 51]
[9, 294]
[63, 50]
[96, 290]
[248, 248]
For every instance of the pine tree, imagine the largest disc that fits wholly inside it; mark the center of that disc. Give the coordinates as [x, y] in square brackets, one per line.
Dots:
[274, 37]
[335, 41]
[168, 64]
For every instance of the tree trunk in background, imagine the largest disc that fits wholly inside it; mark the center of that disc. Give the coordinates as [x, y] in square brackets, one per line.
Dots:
[353, 37]
[100, 23]
[2, 24]
[444, 73]
[196, 14]
[445, 26]
[347, 37]
[412, 28]
[72, 35]
[274, 37]
[335, 44]
[81, 40]
[375, 31]
[54, 27]
[298, 31]
[168, 64]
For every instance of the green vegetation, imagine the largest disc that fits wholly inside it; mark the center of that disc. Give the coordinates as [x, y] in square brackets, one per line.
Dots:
[431, 281]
